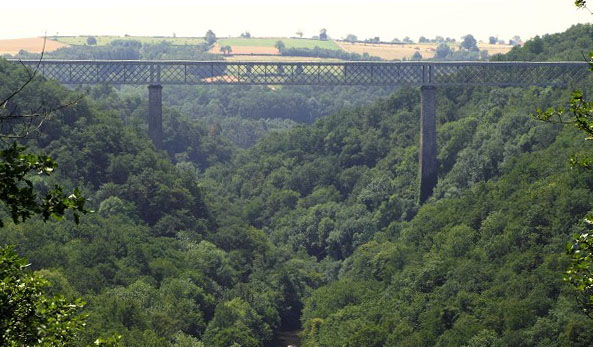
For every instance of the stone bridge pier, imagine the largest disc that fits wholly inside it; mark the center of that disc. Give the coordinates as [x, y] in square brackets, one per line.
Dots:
[428, 165]
[155, 114]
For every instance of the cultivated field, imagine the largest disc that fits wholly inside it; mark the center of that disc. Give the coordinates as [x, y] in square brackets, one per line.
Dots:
[277, 58]
[389, 52]
[405, 51]
[32, 45]
[104, 40]
[266, 46]
[494, 49]
[271, 42]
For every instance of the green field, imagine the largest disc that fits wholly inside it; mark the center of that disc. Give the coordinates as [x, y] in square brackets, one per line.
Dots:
[104, 40]
[233, 42]
[271, 42]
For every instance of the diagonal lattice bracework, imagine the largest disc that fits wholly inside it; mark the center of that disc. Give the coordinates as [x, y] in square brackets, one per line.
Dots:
[312, 73]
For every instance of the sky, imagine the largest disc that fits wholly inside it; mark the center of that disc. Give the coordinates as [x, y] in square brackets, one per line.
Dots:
[387, 19]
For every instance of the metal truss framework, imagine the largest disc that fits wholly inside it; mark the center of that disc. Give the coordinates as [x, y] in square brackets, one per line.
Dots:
[311, 73]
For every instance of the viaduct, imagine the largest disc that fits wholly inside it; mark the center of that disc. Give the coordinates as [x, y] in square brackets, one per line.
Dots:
[426, 75]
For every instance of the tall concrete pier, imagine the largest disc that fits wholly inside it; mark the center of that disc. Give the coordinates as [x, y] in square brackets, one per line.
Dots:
[428, 142]
[155, 114]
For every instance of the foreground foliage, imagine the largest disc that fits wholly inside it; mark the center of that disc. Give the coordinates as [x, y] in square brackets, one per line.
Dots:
[28, 316]
[580, 270]
[18, 195]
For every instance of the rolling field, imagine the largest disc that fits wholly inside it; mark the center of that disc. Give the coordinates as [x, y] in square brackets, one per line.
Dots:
[104, 40]
[266, 46]
[389, 52]
[252, 50]
[277, 58]
[32, 45]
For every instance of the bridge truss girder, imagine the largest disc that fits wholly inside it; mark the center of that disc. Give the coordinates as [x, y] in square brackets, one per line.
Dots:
[311, 73]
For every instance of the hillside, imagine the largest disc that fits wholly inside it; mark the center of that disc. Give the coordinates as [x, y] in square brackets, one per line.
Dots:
[480, 264]
[572, 45]
[315, 227]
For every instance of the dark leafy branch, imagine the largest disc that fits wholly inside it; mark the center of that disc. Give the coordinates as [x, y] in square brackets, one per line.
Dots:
[580, 115]
[18, 194]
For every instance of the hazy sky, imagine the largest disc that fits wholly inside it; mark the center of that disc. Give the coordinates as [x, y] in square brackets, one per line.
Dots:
[383, 18]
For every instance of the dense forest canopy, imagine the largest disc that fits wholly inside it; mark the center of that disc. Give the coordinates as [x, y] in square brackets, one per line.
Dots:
[315, 226]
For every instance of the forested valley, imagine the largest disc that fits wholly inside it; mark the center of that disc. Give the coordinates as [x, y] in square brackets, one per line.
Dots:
[296, 209]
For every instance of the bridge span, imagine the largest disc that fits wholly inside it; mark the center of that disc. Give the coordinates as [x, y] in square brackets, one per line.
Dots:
[426, 75]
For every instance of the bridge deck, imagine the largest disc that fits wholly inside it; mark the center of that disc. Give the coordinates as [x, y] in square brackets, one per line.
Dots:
[311, 73]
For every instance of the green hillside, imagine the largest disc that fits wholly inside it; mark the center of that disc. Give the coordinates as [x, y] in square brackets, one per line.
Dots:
[315, 227]
[572, 45]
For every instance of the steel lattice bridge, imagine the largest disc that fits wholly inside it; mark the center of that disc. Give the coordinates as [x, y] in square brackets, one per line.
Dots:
[310, 73]
[427, 75]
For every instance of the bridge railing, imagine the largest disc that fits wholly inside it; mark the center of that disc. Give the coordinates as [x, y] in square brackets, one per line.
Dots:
[312, 73]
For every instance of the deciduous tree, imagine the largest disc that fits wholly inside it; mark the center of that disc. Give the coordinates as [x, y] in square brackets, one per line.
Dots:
[442, 51]
[280, 46]
[226, 50]
[351, 38]
[469, 43]
[210, 37]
